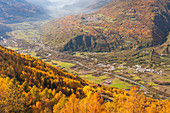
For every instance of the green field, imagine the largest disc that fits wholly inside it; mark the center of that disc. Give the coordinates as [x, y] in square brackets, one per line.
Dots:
[115, 83]
[34, 54]
[14, 48]
[135, 77]
[95, 79]
[88, 77]
[59, 63]
[120, 84]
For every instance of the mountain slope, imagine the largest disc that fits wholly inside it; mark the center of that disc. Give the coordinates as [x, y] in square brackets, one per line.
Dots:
[122, 24]
[30, 85]
[152, 14]
[18, 11]
[31, 70]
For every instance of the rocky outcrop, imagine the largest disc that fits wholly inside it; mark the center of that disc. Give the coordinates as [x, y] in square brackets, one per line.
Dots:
[86, 43]
[161, 28]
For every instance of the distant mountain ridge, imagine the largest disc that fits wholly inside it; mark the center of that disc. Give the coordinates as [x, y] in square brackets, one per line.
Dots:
[40, 3]
[18, 11]
[57, 8]
[87, 5]
[122, 24]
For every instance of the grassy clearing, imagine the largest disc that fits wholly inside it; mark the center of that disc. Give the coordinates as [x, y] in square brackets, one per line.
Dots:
[135, 77]
[97, 27]
[102, 78]
[168, 80]
[101, 15]
[164, 79]
[88, 77]
[152, 83]
[120, 68]
[142, 82]
[59, 63]
[79, 54]
[95, 79]
[116, 71]
[25, 34]
[144, 77]
[33, 54]
[14, 48]
[115, 83]
[120, 84]
[63, 64]
[105, 29]
[156, 88]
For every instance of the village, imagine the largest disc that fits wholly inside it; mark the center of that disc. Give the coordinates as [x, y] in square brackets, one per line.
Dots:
[136, 68]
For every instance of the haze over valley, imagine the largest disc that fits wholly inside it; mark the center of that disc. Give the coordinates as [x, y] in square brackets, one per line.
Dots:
[60, 8]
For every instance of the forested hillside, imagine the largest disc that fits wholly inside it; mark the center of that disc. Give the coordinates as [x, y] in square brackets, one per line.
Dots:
[30, 85]
[122, 24]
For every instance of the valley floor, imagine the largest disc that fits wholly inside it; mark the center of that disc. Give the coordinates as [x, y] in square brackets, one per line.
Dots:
[133, 66]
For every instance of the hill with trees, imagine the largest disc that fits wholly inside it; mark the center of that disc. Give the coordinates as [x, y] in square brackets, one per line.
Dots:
[29, 85]
[120, 25]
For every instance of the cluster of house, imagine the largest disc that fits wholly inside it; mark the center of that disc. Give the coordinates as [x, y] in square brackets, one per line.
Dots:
[138, 68]
[24, 51]
[3, 41]
[94, 59]
[108, 81]
[110, 67]
[1, 37]
[90, 19]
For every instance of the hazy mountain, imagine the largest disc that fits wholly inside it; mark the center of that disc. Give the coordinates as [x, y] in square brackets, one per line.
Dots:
[19, 10]
[86, 5]
[41, 3]
[59, 8]
[122, 24]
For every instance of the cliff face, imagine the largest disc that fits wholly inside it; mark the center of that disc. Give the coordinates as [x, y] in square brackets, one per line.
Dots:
[80, 43]
[122, 24]
[86, 43]
[161, 29]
